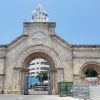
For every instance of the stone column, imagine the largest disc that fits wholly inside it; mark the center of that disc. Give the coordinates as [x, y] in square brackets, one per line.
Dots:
[78, 79]
[82, 78]
[53, 80]
[1, 83]
[59, 77]
[99, 79]
[2, 73]
[20, 74]
[18, 82]
[60, 74]
[24, 88]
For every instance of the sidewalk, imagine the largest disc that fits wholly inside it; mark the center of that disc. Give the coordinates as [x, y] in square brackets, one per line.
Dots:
[35, 97]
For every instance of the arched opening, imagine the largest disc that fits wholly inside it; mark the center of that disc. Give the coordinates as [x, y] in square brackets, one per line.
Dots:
[38, 74]
[91, 77]
[38, 77]
[91, 72]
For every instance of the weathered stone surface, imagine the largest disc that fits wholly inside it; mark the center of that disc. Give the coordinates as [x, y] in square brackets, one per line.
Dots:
[39, 39]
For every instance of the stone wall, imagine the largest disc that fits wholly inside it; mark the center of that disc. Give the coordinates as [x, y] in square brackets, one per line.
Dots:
[41, 38]
[81, 56]
[2, 66]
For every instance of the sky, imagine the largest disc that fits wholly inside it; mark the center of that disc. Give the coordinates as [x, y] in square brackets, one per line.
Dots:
[77, 21]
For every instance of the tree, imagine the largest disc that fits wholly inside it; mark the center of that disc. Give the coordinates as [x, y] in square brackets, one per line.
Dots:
[42, 76]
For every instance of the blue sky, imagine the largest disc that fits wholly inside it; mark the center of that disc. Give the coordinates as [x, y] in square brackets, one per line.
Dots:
[78, 21]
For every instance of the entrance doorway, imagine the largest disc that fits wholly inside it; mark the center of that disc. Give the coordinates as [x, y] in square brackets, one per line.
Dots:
[38, 75]
[38, 78]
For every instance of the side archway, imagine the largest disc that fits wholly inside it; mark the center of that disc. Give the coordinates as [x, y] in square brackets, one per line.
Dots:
[90, 73]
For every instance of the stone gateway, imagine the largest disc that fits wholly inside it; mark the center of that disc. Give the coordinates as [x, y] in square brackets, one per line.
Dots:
[78, 64]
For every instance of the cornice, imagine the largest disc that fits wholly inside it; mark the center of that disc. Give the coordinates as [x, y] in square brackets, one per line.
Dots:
[85, 57]
[61, 42]
[4, 57]
[21, 69]
[86, 48]
[2, 49]
[3, 46]
[39, 23]
[18, 38]
[16, 42]
[2, 74]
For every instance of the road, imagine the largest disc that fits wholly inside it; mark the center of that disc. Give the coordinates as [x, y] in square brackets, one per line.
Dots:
[35, 97]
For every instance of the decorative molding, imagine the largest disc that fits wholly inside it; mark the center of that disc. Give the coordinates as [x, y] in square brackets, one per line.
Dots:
[82, 76]
[61, 42]
[3, 46]
[17, 42]
[4, 57]
[39, 47]
[47, 51]
[39, 35]
[21, 69]
[18, 38]
[77, 75]
[84, 48]
[2, 49]
[87, 50]
[85, 66]
[2, 74]
[77, 57]
[49, 26]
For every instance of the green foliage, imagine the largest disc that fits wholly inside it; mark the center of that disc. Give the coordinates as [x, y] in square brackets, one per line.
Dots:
[91, 73]
[42, 76]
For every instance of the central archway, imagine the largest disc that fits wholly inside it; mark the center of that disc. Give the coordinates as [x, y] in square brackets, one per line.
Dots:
[44, 52]
[25, 70]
